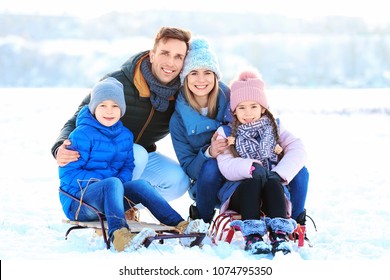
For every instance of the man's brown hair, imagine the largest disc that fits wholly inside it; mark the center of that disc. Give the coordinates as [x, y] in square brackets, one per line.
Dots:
[166, 33]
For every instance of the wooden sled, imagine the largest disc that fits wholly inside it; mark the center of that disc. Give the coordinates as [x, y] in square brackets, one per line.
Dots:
[163, 231]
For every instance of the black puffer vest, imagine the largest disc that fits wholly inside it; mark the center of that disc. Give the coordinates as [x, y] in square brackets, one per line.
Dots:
[147, 125]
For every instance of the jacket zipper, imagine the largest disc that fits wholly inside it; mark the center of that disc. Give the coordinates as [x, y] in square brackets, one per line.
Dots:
[145, 125]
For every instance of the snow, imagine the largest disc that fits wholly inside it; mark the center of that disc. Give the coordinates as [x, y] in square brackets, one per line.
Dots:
[346, 133]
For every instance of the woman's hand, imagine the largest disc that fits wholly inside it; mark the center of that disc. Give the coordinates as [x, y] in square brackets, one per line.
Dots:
[217, 146]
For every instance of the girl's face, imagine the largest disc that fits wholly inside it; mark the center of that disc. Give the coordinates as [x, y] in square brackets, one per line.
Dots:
[248, 111]
[201, 82]
[108, 113]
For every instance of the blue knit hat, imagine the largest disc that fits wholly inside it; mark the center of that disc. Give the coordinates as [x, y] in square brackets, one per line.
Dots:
[107, 89]
[200, 56]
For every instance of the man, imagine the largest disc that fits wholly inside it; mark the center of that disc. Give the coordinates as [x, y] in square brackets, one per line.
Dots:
[151, 81]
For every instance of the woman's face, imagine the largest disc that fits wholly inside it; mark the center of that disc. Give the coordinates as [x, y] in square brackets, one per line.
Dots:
[201, 82]
[248, 111]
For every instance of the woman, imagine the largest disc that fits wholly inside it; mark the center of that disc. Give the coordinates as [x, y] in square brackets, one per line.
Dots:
[199, 111]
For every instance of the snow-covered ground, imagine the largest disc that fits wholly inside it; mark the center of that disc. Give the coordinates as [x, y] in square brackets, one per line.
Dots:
[347, 134]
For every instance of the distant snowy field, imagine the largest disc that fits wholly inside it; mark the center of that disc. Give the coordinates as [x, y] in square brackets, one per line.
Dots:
[347, 134]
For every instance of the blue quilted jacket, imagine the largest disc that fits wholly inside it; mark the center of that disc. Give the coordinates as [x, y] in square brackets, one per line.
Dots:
[191, 132]
[104, 152]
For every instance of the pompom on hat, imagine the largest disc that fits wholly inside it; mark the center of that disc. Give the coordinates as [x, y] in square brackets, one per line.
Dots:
[200, 56]
[248, 86]
[107, 89]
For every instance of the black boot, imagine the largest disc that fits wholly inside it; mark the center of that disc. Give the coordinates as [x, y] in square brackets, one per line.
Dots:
[279, 229]
[279, 242]
[194, 212]
[195, 215]
[253, 231]
[301, 219]
[256, 245]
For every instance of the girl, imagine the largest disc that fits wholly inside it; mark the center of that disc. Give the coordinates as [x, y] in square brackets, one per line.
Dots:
[263, 157]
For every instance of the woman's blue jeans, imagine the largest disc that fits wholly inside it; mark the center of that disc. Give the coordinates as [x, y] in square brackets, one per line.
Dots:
[108, 196]
[298, 190]
[209, 182]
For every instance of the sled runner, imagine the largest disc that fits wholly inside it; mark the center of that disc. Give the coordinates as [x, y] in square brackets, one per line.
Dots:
[163, 231]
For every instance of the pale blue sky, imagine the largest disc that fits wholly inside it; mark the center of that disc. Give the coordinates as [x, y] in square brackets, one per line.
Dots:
[372, 10]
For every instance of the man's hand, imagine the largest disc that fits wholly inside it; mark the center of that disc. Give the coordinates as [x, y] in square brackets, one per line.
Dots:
[64, 156]
[217, 145]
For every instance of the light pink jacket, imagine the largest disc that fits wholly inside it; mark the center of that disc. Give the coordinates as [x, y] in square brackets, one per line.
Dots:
[294, 159]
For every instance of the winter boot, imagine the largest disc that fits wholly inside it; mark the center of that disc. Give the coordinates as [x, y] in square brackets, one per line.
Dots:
[253, 231]
[123, 238]
[140, 238]
[195, 226]
[279, 230]
[301, 219]
[256, 245]
[280, 242]
[194, 212]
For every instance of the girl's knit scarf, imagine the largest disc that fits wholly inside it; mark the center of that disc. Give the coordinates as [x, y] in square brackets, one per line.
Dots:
[257, 141]
[159, 93]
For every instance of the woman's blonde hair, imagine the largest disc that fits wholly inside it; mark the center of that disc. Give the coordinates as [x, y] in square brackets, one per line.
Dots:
[212, 98]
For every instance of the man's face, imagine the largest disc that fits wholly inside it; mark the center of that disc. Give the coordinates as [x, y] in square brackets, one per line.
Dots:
[167, 59]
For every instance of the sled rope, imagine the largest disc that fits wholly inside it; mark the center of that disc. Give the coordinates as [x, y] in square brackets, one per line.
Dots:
[135, 214]
[83, 192]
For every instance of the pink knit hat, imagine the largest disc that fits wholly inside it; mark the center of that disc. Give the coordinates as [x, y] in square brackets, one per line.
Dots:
[248, 86]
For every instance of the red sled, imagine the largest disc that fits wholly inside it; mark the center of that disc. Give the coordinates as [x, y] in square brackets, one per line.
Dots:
[222, 231]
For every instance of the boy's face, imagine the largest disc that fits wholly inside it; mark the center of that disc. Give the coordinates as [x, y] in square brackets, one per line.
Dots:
[167, 59]
[108, 113]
